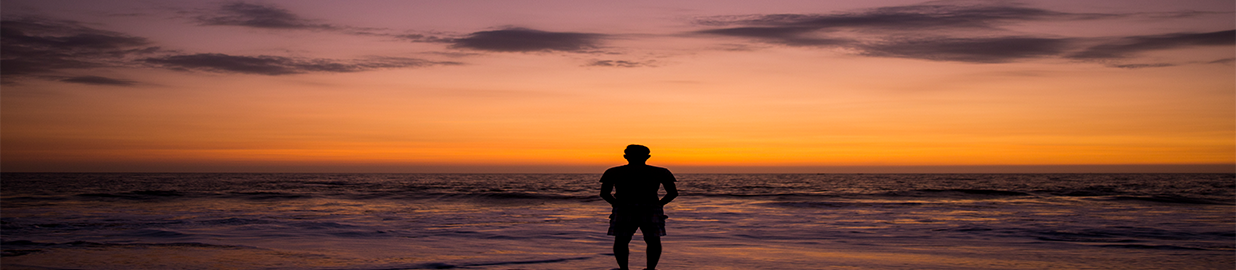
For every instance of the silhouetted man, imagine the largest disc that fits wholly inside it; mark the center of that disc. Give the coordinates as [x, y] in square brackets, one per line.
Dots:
[635, 204]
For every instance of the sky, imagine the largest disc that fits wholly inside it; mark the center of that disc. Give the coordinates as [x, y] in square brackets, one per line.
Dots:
[564, 86]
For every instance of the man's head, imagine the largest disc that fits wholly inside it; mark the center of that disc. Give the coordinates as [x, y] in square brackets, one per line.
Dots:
[636, 154]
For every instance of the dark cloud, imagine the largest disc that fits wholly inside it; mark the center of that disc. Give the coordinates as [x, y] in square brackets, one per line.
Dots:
[793, 36]
[259, 16]
[975, 50]
[913, 17]
[796, 29]
[1129, 46]
[276, 18]
[950, 32]
[424, 38]
[1133, 66]
[890, 25]
[619, 63]
[96, 80]
[1176, 15]
[265, 65]
[43, 48]
[528, 40]
[36, 46]
[277, 65]
[1227, 61]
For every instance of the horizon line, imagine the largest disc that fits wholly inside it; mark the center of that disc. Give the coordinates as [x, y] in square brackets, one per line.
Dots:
[686, 169]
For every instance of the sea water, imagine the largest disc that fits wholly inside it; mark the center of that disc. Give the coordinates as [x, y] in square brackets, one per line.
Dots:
[557, 221]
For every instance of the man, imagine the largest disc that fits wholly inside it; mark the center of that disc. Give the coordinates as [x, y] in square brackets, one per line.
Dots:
[635, 204]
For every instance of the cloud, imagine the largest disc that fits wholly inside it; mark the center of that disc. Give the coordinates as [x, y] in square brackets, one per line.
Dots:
[796, 29]
[928, 31]
[38, 46]
[1134, 66]
[793, 36]
[974, 50]
[96, 80]
[43, 48]
[953, 32]
[619, 63]
[1225, 61]
[271, 17]
[912, 17]
[1129, 46]
[277, 65]
[259, 16]
[527, 40]
[424, 38]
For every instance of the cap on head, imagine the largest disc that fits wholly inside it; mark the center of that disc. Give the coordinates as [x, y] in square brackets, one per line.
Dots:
[636, 150]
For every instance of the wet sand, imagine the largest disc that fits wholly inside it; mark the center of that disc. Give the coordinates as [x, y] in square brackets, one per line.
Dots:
[590, 255]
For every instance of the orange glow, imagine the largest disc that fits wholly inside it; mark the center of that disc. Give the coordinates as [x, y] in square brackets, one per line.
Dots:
[696, 104]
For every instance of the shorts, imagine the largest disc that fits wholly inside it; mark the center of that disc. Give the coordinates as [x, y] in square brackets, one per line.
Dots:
[625, 219]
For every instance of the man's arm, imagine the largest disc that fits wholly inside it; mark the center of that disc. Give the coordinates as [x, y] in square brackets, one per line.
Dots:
[671, 192]
[606, 189]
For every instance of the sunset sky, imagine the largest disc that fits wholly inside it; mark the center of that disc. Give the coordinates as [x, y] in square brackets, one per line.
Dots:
[563, 86]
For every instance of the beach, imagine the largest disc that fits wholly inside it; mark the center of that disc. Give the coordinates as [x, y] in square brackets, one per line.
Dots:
[556, 221]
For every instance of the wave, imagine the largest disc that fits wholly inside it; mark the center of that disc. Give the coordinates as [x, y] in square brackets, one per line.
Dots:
[1160, 247]
[28, 243]
[136, 195]
[503, 196]
[1174, 199]
[24, 247]
[35, 198]
[980, 192]
[267, 195]
[17, 252]
[232, 222]
[1122, 235]
[166, 195]
[441, 265]
[759, 195]
[841, 204]
[329, 183]
[917, 193]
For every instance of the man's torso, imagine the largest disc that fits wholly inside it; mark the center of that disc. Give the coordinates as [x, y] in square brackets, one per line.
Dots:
[637, 184]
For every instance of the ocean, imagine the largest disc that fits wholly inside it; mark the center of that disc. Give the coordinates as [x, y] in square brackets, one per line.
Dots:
[557, 221]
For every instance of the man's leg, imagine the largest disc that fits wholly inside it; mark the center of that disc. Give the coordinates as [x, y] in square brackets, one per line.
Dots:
[622, 239]
[652, 237]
